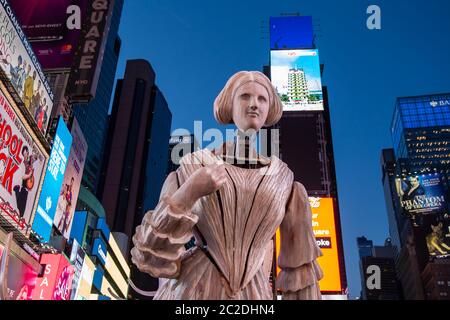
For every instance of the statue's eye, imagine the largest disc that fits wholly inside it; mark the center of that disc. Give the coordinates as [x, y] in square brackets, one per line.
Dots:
[245, 96]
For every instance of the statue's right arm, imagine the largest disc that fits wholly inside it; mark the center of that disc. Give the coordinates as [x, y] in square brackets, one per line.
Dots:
[159, 240]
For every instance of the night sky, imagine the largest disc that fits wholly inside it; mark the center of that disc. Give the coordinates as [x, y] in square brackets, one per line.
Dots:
[195, 46]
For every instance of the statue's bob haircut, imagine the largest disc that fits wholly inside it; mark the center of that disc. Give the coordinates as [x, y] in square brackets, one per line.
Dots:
[223, 105]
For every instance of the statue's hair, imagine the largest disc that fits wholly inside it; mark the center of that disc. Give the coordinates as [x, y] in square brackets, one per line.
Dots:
[223, 105]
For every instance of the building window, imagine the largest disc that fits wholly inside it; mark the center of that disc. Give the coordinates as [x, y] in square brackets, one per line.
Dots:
[443, 294]
[440, 283]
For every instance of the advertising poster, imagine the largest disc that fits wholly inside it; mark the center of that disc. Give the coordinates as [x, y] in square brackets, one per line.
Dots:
[325, 231]
[435, 230]
[295, 74]
[85, 72]
[86, 278]
[54, 34]
[76, 259]
[21, 164]
[56, 167]
[18, 62]
[421, 194]
[21, 278]
[56, 282]
[70, 188]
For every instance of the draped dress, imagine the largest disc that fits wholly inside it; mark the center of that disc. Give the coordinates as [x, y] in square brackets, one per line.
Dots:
[232, 228]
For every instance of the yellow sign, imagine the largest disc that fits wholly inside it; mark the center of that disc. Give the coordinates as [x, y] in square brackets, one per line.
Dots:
[325, 231]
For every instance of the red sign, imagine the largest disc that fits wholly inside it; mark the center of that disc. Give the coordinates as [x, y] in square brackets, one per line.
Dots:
[56, 282]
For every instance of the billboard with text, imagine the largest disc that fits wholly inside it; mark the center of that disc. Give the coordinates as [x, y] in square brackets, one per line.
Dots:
[53, 27]
[20, 65]
[22, 162]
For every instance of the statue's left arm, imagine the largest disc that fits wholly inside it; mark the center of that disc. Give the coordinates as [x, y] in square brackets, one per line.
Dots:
[300, 272]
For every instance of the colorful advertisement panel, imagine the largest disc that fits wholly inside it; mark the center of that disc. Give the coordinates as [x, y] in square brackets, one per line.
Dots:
[83, 79]
[68, 194]
[434, 229]
[421, 194]
[56, 282]
[296, 77]
[48, 199]
[18, 62]
[291, 33]
[22, 164]
[323, 222]
[325, 231]
[53, 27]
[21, 278]
[87, 277]
[76, 259]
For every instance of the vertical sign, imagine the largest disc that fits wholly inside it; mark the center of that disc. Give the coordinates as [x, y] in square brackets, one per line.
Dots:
[48, 199]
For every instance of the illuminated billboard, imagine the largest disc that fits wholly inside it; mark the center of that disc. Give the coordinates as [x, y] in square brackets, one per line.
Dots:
[85, 283]
[421, 194]
[53, 27]
[56, 167]
[56, 281]
[295, 74]
[21, 278]
[324, 228]
[22, 163]
[68, 194]
[291, 32]
[76, 259]
[85, 72]
[21, 67]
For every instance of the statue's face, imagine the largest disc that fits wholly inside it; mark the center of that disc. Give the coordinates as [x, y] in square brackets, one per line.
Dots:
[250, 106]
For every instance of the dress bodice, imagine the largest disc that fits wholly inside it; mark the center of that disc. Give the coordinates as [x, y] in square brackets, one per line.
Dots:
[236, 222]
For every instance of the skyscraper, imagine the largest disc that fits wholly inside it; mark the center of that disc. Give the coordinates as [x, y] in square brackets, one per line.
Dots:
[377, 270]
[305, 142]
[136, 151]
[417, 193]
[135, 157]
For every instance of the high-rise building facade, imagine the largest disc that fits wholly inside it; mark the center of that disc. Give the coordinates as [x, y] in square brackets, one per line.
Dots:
[135, 157]
[136, 151]
[377, 270]
[416, 185]
[305, 139]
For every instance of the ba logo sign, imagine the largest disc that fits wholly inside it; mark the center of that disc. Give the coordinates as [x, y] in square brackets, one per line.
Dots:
[374, 277]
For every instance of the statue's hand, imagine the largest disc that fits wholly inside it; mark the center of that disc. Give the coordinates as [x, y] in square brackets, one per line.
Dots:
[202, 182]
[207, 180]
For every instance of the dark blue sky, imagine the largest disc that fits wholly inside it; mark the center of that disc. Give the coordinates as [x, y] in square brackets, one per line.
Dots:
[194, 46]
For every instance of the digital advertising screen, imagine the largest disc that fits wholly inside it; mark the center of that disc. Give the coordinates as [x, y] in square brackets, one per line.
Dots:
[70, 188]
[295, 74]
[54, 174]
[434, 231]
[422, 194]
[76, 259]
[291, 32]
[22, 163]
[21, 278]
[56, 280]
[54, 34]
[324, 228]
[22, 68]
[86, 277]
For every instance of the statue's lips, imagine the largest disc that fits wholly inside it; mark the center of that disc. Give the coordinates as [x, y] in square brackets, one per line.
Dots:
[253, 114]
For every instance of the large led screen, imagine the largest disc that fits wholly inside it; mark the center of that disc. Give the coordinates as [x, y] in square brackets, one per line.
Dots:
[296, 77]
[421, 194]
[21, 67]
